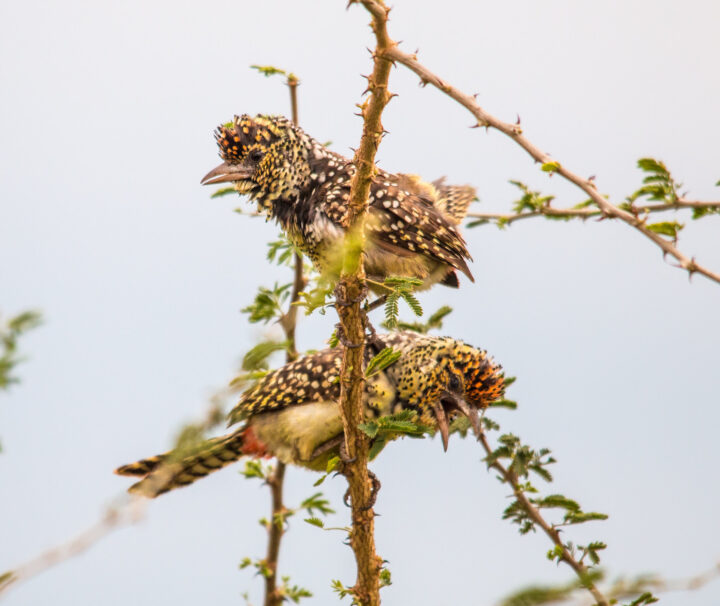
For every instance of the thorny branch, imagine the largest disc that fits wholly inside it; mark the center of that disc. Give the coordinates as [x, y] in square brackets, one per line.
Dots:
[350, 292]
[587, 213]
[514, 131]
[511, 478]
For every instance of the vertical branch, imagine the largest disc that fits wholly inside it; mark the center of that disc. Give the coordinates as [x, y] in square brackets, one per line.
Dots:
[276, 527]
[276, 530]
[349, 293]
[292, 82]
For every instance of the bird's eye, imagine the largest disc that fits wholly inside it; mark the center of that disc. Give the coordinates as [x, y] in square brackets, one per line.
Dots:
[256, 155]
[454, 382]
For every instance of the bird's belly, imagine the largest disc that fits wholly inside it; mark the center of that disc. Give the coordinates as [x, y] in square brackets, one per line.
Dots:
[294, 433]
[380, 263]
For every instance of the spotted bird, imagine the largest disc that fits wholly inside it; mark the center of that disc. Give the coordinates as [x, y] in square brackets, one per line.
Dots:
[293, 413]
[411, 227]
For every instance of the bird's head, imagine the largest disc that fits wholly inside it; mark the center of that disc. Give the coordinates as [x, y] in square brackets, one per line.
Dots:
[443, 377]
[265, 157]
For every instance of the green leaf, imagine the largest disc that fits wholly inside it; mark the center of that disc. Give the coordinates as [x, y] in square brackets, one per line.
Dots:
[223, 191]
[658, 184]
[531, 201]
[550, 167]
[489, 424]
[581, 517]
[268, 303]
[254, 469]
[248, 377]
[389, 426]
[539, 594]
[412, 301]
[332, 464]
[369, 429]
[315, 522]
[340, 589]
[24, 321]
[294, 593]
[698, 213]
[650, 165]
[317, 296]
[6, 578]
[511, 404]
[666, 228]
[9, 334]
[477, 222]
[387, 357]
[269, 70]
[281, 251]
[592, 549]
[559, 501]
[317, 502]
[391, 310]
[257, 357]
[402, 282]
[435, 320]
[645, 598]
[400, 287]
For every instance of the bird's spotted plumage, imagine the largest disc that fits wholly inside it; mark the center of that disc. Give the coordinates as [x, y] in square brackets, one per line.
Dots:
[293, 413]
[299, 182]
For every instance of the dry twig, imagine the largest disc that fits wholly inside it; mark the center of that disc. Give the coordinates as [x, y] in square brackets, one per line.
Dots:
[587, 213]
[288, 321]
[129, 512]
[514, 131]
[578, 567]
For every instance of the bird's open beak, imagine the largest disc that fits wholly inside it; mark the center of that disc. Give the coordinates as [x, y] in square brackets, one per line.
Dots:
[448, 403]
[226, 172]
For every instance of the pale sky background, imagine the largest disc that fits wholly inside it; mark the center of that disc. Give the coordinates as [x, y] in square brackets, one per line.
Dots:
[105, 131]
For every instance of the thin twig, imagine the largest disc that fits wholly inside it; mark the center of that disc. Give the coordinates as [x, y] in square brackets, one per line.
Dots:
[288, 321]
[130, 512]
[586, 213]
[350, 292]
[514, 131]
[276, 530]
[534, 513]
[629, 588]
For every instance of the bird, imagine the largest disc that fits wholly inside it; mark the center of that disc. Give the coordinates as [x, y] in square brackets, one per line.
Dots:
[293, 413]
[411, 229]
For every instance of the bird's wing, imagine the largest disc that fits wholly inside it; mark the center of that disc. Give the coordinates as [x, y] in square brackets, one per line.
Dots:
[312, 378]
[406, 220]
[401, 220]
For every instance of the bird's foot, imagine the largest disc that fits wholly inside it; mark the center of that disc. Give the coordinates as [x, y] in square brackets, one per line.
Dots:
[343, 302]
[340, 333]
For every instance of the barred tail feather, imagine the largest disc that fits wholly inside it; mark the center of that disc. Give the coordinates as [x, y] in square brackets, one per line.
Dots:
[171, 470]
[453, 200]
[142, 467]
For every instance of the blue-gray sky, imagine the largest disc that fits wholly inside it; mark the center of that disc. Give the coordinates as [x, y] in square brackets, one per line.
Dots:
[105, 131]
